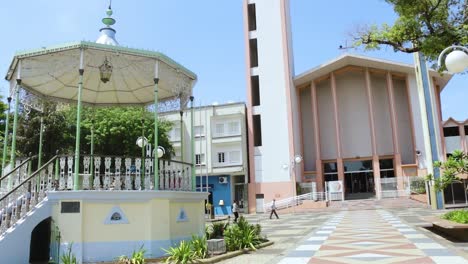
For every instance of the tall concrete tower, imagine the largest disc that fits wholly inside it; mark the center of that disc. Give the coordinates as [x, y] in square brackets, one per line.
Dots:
[271, 101]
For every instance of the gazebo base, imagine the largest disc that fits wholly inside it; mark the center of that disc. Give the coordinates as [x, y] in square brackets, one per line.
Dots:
[103, 225]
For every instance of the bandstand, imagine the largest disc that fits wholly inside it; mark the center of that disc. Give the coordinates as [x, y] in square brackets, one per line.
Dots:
[100, 206]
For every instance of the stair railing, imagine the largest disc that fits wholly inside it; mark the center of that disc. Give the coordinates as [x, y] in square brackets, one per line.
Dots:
[18, 174]
[23, 198]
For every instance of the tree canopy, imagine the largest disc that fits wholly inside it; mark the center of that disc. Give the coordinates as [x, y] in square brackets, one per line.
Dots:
[115, 131]
[427, 26]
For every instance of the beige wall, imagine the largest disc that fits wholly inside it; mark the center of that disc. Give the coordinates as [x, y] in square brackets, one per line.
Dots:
[354, 115]
[383, 129]
[308, 132]
[404, 121]
[326, 120]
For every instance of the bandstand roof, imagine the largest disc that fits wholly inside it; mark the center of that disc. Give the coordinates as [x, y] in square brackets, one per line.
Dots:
[52, 73]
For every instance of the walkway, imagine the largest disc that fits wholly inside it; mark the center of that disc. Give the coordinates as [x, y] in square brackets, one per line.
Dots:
[375, 236]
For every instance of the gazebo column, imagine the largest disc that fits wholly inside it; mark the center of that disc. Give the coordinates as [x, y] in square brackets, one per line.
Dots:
[15, 126]
[5, 138]
[156, 158]
[91, 162]
[181, 136]
[78, 123]
[41, 133]
[39, 159]
[192, 147]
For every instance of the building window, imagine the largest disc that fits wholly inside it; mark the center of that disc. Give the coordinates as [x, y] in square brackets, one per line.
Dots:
[252, 17]
[227, 128]
[330, 171]
[234, 128]
[466, 130]
[386, 168]
[255, 86]
[199, 159]
[451, 132]
[257, 130]
[198, 131]
[234, 157]
[219, 130]
[221, 157]
[253, 53]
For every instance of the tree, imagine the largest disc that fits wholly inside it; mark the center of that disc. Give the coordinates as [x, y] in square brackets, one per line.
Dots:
[427, 26]
[455, 166]
[115, 131]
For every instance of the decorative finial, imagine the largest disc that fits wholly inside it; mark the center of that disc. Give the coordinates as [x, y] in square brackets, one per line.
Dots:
[108, 33]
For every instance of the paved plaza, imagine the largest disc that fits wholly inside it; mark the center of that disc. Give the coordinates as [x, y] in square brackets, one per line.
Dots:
[385, 233]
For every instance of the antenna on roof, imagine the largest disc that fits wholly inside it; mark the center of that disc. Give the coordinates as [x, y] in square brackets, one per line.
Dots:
[345, 47]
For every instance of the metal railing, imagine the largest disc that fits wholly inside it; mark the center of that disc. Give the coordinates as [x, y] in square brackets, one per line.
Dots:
[23, 198]
[123, 173]
[295, 200]
[16, 175]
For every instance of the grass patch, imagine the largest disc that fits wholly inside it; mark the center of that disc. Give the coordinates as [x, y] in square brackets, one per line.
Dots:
[458, 216]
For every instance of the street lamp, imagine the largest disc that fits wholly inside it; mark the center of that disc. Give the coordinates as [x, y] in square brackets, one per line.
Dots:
[456, 61]
[161, 151]
[296, 160]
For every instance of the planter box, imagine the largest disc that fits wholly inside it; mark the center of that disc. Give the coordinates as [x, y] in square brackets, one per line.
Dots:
[452, 229]
[216, 246]
[419, 197]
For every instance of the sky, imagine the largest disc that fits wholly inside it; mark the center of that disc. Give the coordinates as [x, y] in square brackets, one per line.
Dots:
[206, 36]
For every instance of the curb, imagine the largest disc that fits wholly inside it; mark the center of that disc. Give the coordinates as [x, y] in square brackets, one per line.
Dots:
[232, 254]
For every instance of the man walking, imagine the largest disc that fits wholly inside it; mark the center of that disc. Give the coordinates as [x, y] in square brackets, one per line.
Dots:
[273, 209]
[235, 210]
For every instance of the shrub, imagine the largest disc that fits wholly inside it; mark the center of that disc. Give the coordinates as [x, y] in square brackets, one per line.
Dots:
[199, 246]
[459, 216]
[69, 257]
[243, 235]
[138, 257]
[180, 254]
[216, 230]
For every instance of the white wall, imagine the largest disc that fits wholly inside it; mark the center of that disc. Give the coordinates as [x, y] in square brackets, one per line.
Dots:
[353, 111]
[273, 109]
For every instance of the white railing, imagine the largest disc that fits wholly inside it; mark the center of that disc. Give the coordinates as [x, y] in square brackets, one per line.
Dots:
[295, 200]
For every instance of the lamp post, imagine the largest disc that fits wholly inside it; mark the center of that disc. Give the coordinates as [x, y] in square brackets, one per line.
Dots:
[292, 167]
[456, 61]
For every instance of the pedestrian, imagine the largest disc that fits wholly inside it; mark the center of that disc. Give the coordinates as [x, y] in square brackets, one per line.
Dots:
[235, 210]
[273, 209]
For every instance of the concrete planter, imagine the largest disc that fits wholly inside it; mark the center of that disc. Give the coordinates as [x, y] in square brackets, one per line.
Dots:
[232, 254]
[450, 228]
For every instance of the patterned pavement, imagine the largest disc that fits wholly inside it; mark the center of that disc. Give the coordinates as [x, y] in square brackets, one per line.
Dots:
[370, 236]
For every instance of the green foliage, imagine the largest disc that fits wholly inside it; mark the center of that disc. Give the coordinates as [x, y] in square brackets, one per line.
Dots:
[243, 235]
[115, 130]
[199, 246]
[138, 257]
[216, 230]
[459, 216]
[428, 26]
[455, 165]
[180, 254]
[69, 257]
[418, 185]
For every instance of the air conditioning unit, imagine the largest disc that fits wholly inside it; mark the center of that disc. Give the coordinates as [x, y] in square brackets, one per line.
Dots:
[223, 180]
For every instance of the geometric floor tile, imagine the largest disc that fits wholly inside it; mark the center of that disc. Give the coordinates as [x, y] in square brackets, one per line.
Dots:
[369, 236]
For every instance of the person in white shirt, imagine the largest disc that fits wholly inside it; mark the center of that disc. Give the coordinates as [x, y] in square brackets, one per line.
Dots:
[235, 210]
[273, 209]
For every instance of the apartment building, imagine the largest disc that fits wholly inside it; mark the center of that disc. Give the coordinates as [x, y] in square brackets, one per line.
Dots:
[220, 151]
